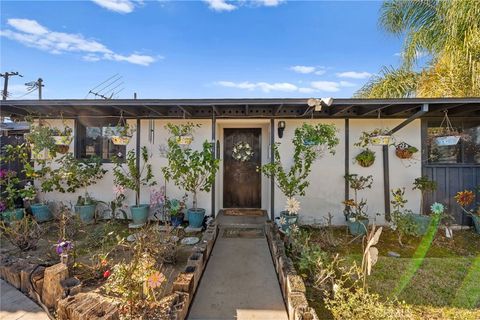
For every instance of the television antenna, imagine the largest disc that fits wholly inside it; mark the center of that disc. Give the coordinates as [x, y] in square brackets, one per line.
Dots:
[107, 89]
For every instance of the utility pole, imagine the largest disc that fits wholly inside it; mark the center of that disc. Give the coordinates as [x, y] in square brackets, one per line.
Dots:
[40, 85]
[5, 82]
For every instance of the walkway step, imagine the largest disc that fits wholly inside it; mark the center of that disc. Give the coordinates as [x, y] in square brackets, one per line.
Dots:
[14, 305]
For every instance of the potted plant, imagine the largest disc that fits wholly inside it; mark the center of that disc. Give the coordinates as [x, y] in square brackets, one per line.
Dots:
[63, 138]
[425, 185]
[376, 137]
[405, 151]
[366, 158]
[133, 178]
[192, 170]
[175, 208]
[294, 182]
[184, 133]
[465, 199]
[41, 142]
[356, 210]
[121, 133]
[11, 191]
[74, 174]
[447, 135]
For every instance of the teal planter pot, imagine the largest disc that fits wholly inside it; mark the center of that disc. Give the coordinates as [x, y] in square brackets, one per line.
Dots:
[195, 217]
[287, 221]
[358, 227]
[140, 213]
[41, 212]
[11, 215]
[422, 222]
[86, 212]
[476, 223]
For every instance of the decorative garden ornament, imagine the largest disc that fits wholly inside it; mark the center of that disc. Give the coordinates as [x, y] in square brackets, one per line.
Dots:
[242, 151]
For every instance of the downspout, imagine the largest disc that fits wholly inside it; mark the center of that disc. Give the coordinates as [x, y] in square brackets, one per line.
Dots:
[214, 144]
[137, 151]
[272, 179]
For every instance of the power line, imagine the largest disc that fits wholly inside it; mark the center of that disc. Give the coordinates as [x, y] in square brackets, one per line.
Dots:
[6, 75]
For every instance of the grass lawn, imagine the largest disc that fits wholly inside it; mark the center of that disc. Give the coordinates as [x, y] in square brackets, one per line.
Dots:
[445, 284]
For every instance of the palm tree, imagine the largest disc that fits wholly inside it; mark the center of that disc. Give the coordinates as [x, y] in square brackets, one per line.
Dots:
[449, 32]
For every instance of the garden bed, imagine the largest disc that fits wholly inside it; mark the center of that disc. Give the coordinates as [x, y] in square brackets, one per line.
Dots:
[99, 248]
[445, 285]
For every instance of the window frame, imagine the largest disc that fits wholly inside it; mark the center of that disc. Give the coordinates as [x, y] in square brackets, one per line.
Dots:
[77, 143]
[424, 137]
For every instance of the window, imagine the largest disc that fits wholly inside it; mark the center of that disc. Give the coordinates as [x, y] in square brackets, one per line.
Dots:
[92, 140]
[466, 151]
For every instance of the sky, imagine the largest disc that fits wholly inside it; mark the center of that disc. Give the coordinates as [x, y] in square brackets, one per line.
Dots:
[193, 49]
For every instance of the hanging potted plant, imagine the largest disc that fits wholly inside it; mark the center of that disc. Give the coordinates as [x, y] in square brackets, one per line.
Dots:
[447, 136]
[133, 177]
[183, 134]
[465, 200]
[366, 158]
[405, 151]
[424, 185]
[122, 133]
[356, 210]
[192, 170]
[380, 137]
[294, 182]
[63, 139]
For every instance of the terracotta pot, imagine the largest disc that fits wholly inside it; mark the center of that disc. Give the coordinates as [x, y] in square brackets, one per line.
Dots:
[403, 153]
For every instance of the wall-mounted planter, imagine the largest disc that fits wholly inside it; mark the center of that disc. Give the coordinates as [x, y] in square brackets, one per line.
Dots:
[185, 140]
[380, 140]
[366, 158]
[445, 141]
[405, 151]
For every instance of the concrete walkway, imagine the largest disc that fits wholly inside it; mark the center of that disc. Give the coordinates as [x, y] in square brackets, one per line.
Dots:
[240, 280]
[15, 305]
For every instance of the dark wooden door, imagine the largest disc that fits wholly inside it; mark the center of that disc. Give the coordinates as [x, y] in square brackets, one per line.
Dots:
[241, 181]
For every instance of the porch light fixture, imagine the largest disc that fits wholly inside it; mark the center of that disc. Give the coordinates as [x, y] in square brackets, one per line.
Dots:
[281, 128]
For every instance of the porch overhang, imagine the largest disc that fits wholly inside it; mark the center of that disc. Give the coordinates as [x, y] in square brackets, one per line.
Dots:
[239, 108]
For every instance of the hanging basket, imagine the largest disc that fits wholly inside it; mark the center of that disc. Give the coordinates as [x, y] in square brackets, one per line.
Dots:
[41, 155]
[366, 158]
[185, 140]
[405, 151]
[120, 140]
[445, 141]
[62, 149]
[380, 140]
[62, 140]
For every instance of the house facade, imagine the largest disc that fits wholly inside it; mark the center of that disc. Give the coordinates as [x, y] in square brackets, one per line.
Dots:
[264, 122]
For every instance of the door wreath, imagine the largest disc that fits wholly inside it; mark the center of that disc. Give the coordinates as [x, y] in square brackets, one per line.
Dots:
[242, 151]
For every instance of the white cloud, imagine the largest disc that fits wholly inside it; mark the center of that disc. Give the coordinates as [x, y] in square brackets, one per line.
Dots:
[346, 84]
[263, 86]
[30, 33]
[320, 72]
[269, 3]
[120, 6]
[220, 5]
[354, 75]
[303, 69]
[306, 90]
[328, 86]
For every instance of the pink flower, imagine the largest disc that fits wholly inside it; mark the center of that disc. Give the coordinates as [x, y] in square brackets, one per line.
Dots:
[118, 191]
[157, 196]
[107, 274]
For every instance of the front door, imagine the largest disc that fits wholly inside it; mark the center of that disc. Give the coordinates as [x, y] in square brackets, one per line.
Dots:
[242, 156]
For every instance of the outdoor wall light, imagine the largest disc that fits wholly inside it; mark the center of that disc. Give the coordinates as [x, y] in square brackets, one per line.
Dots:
[281, 128]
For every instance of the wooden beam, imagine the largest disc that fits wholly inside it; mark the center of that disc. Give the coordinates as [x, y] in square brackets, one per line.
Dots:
[372, 111]
[417, 115]
[462, 110]
[125, 111]
[277, 109]
[157, 112]
[333, 112]
[185, 111]
[400, 109]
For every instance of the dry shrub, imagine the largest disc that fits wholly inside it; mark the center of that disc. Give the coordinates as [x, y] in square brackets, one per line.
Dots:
[23, 233]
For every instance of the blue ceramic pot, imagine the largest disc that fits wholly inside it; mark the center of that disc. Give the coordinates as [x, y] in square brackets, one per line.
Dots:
[86, 212]
[422, 222]
[358, 227]
[176, 220]
[476, 223]
[15, 214]
[195, 217]
[41, 212]
[140, 213]
[288, 220]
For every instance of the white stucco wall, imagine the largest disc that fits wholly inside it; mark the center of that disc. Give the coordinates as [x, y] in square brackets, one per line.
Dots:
[326, 191]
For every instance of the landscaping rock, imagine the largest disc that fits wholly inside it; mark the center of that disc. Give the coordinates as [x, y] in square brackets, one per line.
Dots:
[52, 290]
[184, 282]
[296, 301]
[193, 230]
[71, 286]
[393, 254]
[302, 313]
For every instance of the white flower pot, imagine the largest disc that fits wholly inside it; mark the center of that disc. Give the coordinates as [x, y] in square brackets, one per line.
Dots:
[380, 140]
[447, 140]
[120, 141]
[62, 140]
